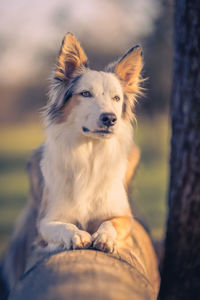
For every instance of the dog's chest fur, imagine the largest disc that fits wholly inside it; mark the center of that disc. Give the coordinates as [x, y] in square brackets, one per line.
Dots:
[85, 180]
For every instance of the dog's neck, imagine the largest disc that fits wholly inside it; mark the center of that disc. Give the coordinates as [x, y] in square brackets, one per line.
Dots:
[68, 154]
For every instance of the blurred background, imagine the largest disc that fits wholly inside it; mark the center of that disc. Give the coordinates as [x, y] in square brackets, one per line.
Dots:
[30, 37]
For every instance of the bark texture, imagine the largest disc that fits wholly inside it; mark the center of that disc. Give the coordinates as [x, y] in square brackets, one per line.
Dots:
[181, 269]
[83, 274]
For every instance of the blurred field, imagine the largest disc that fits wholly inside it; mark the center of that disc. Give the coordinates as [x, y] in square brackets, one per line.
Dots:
[16, 143]
[149, 186]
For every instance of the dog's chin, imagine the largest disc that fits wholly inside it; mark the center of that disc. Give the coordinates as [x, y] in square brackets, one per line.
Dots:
[98, 134]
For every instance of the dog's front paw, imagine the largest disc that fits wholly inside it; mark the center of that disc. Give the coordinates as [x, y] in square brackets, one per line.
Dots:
[81, 240]
[77, 239]
[104, 242]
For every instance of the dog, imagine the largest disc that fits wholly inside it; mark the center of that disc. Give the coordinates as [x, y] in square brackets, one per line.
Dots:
[80, 176]
[89, 140]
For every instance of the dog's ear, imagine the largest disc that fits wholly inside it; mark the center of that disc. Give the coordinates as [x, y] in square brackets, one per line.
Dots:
[71, 58]
[128, 69]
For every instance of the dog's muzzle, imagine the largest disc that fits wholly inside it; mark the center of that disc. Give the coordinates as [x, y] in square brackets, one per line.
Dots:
[105, 126]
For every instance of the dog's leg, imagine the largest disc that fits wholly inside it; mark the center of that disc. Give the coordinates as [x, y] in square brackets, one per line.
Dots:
[111, 231]
[59, 234]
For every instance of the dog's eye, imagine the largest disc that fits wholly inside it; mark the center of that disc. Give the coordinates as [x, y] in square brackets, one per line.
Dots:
[116, 98]
[86, 94]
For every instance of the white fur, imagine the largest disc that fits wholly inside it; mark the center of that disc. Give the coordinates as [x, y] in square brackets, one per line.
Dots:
[84, 174]
[104, 238]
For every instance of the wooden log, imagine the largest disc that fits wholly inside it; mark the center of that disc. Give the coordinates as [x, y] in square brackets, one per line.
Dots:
[83, 274]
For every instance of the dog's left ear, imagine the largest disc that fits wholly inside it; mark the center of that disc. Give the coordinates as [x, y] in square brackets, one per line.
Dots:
[71, 58]
[130, 65]
[128, 69]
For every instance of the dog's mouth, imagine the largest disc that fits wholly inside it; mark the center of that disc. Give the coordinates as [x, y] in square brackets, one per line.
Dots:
[98, 132]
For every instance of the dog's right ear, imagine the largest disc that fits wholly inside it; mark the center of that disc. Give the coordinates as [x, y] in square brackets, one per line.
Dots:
[71, 58]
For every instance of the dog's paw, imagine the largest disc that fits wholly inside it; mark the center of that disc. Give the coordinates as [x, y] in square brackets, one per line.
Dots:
[81, 240]
[104, 242]
[58, 235]
[78, 239]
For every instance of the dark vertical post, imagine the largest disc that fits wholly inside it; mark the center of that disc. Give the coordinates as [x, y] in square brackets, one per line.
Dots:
[181, 268]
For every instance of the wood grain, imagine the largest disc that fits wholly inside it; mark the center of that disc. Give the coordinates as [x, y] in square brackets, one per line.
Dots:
[83, 274]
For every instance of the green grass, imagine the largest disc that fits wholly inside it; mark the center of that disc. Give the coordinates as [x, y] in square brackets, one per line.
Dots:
[148, 187]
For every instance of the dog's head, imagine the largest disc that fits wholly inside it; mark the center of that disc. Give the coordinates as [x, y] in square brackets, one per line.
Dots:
[94, 103]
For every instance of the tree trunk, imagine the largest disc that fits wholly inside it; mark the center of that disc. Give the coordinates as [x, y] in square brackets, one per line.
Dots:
[181, 269]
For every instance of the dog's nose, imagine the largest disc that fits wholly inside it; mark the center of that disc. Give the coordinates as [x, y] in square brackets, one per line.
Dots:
[108, 119]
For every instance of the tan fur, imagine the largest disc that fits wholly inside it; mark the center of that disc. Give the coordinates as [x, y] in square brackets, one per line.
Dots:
[123, 225]
[129, 68]
[68, 108]
[71, 57]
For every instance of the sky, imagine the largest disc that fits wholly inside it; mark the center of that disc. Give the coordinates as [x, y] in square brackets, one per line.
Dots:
[29, 27]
